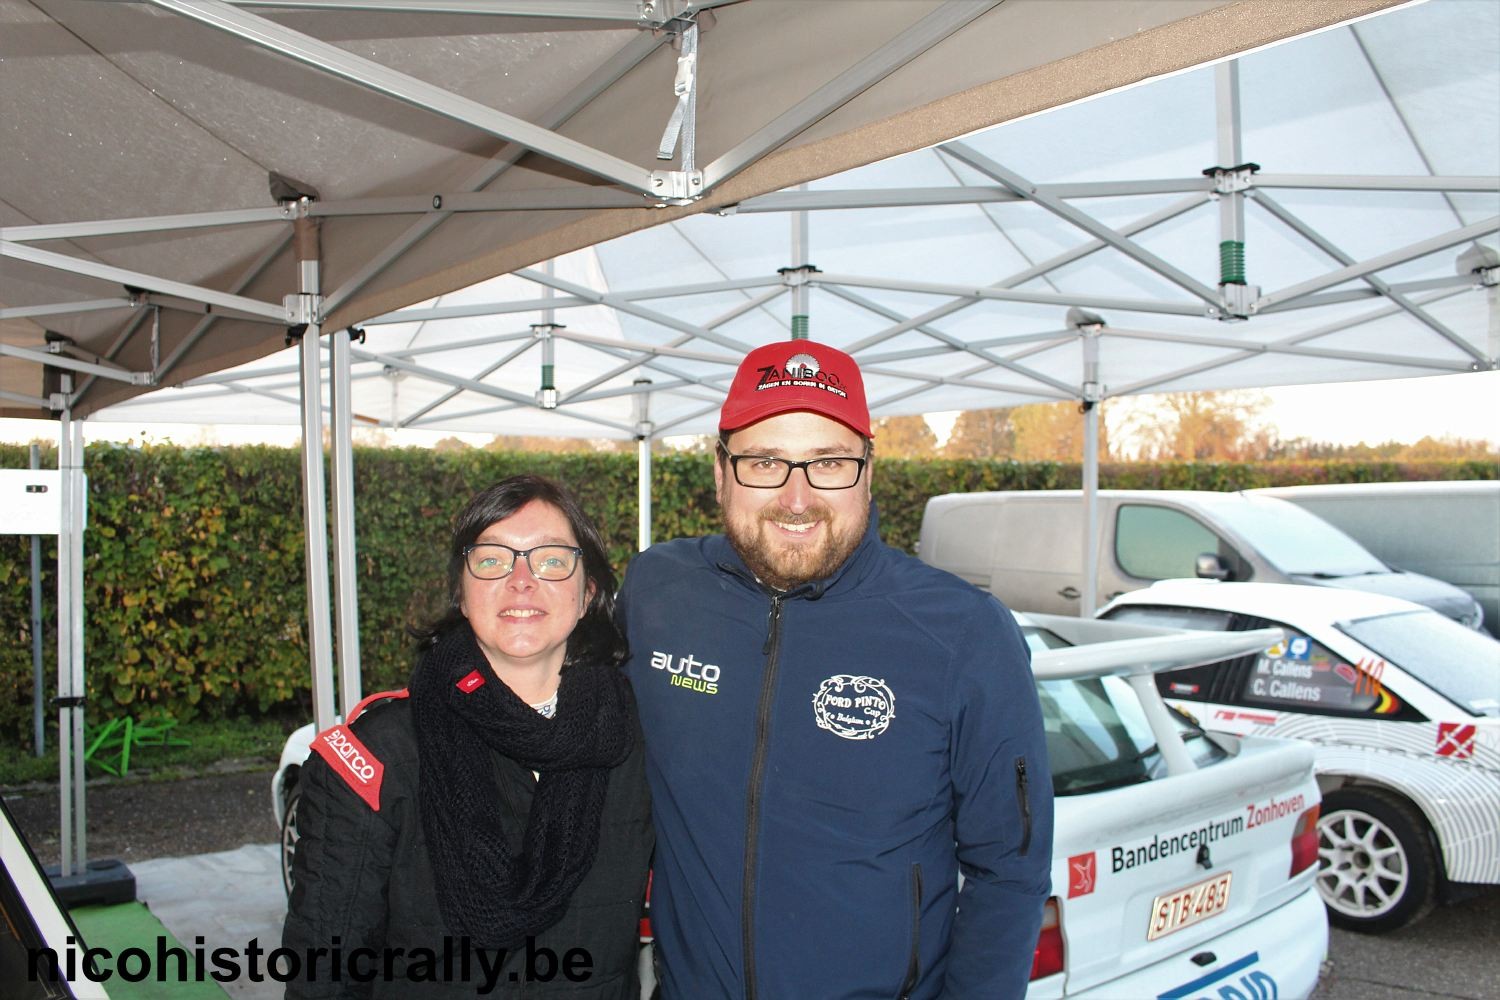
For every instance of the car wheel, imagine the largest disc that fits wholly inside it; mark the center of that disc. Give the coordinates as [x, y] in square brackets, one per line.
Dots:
[289, 836]
[1376, 870]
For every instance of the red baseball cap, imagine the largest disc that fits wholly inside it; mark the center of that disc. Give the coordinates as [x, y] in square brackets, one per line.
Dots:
[796, 375]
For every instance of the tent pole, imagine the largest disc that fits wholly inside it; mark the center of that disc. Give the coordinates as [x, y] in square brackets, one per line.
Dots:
[345, 582]
[303, 311]
[644, 430]
[799, 272]
[38, 730]
[1089, 327]
[74, 538]
[66, 694]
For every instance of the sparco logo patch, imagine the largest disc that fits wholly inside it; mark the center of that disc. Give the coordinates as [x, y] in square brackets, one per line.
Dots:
[802, 371]
[351, 761]
[856, 708]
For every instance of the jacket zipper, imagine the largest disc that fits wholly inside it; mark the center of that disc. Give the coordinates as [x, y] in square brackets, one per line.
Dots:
[914, 964]
[772, 649]
[1024, 796]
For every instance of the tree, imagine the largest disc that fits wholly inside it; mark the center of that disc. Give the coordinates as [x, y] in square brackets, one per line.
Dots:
[1202, 427]
[982, 434]
[904, 437]
[1053, 432]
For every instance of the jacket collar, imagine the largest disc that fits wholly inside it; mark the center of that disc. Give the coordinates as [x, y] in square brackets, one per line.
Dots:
[860, 563]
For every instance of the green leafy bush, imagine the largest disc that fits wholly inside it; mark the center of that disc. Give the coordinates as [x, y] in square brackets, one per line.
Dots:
[195, 564]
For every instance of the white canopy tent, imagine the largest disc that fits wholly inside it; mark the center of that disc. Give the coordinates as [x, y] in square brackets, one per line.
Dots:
[1075, 255]
[1315, 211]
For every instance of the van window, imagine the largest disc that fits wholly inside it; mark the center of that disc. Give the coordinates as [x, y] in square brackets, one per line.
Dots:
[1159, 543]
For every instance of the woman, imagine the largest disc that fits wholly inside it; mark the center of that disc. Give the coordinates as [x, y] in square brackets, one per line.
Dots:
[497, 803]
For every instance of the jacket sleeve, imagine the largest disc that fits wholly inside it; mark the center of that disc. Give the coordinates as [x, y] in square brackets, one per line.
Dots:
[341, 871]
[1003, 811]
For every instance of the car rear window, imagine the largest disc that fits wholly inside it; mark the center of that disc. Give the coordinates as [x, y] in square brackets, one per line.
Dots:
[1098, 737]
[1459, 663]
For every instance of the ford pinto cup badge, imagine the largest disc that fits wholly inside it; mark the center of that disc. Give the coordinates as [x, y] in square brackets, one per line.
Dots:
[855, 708]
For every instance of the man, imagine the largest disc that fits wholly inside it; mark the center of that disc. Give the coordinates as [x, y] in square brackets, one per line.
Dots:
[834, 730]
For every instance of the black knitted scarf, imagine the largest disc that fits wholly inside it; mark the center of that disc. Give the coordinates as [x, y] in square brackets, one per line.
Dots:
[486, 891]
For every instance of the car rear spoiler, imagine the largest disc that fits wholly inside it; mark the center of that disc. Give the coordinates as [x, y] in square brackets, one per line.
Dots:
[1137, 653]
[1123, 649]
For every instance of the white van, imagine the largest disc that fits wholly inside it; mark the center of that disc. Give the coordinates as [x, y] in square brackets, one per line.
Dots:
[1449, 530]
[1026, 547]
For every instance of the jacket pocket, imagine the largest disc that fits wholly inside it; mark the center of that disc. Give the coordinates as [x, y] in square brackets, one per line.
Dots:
[914, 961]
[1023, 802]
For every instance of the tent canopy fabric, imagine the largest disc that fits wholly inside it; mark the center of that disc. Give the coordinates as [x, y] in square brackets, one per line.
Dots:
[1072, 255]
[155, 151]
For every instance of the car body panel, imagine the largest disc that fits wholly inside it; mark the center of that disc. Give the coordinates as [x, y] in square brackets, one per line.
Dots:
[1446, 763]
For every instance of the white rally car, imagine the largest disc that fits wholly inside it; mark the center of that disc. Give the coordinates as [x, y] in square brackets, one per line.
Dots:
[1403, 707]
[1183, 861]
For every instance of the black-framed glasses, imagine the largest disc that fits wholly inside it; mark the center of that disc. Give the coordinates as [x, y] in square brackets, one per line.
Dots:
[766, 473]
[494, 561]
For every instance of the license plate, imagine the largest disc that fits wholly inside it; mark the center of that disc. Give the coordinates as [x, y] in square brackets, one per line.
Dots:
[1189, 905]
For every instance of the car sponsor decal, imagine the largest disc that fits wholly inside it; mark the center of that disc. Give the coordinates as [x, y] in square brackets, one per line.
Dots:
[1455, 739]
[1258, 814]
[855, 708]
[1254, 984]
[1259, 718]
[1124, 857]
[352, 761]
[1082, 869]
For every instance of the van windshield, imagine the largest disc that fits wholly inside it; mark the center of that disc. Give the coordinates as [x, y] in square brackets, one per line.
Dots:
[1295, 541]
[1459, 663]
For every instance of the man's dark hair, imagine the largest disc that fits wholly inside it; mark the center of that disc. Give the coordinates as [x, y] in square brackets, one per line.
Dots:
[595, 639]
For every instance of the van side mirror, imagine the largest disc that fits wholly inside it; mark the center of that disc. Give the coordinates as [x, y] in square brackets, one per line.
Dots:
[1211, 566]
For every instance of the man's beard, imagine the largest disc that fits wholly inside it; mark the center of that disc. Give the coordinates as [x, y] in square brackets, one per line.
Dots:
[788, 566]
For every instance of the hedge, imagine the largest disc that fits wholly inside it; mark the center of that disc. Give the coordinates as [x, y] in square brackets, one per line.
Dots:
[194, 574]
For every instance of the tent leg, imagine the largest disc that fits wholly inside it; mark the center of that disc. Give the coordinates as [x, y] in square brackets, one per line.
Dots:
[644, 430]
[305, 307]
[68, 697]
[345, 583]
[76, 881]
[1089, 591]
[39, 731]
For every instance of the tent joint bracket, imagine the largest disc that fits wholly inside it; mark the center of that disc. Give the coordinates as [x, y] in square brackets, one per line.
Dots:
[1232, 180]
[676, 187]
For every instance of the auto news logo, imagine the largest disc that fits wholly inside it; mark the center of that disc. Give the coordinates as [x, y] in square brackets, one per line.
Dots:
[1083, 871]
[801, 371]
[855, 708]
[687, 671]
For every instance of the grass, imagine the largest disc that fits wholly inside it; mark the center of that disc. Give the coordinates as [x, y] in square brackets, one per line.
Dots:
[213, 746]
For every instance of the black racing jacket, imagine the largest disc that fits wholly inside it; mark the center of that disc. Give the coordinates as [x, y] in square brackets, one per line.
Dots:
[363, 881]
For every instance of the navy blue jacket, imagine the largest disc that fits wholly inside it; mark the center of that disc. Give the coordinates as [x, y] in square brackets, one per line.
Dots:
[823, 763]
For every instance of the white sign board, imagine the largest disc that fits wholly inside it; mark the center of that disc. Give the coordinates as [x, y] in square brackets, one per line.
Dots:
[31, 502]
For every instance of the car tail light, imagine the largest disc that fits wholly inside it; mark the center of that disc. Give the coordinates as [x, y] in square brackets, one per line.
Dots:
[1048, 958]
[1305, 840]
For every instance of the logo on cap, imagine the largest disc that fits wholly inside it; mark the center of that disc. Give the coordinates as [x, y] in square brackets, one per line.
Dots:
[800, 371]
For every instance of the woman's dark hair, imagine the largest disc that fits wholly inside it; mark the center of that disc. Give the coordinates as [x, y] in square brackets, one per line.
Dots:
[595, 639]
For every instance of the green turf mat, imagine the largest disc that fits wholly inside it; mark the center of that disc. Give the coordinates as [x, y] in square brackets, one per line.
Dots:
[131, 925]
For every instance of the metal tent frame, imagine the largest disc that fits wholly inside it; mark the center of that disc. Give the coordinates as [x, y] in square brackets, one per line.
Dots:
[171, 328]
